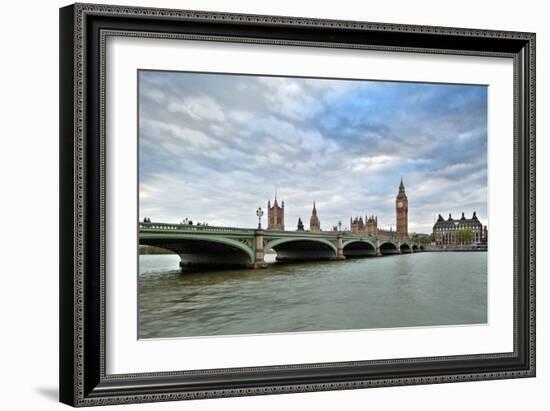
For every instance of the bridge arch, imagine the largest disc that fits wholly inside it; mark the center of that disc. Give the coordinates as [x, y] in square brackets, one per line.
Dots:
[405, 248]
[358, 248]
[302, 248]
[415, 247]
[388, 247]
[201, 250]
[277, 242]
[359, 240]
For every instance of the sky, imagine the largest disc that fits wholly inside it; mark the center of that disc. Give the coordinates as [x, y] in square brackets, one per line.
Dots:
[215, 147]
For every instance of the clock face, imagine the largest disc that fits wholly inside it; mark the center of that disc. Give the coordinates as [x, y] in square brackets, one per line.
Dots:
[399, 204]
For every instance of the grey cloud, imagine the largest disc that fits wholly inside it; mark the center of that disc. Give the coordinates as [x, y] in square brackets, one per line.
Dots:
[215, 147]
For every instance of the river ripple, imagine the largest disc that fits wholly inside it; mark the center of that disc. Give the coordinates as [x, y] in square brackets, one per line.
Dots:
[423, 289]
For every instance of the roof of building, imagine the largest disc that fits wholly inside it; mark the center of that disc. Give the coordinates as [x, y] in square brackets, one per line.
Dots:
[401, 193]
[462, 221]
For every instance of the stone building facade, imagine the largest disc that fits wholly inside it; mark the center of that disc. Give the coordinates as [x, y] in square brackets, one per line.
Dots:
[449, 231]
[314, 223]
[402, 213]
[369, 226]
[275, 215]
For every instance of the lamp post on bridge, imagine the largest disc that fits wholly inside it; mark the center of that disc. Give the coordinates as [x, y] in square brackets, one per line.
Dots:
[259, 213]
[259, 261]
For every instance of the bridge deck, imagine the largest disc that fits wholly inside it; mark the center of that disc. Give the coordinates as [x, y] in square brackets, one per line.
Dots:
[166, 228]
[211, 245]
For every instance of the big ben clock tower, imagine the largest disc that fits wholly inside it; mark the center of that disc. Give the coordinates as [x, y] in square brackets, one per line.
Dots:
[402, 211]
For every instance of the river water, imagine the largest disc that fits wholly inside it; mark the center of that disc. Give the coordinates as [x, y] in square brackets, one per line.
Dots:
[408, 290]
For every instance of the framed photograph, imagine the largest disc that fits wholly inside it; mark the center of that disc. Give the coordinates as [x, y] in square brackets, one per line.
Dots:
[262, 204]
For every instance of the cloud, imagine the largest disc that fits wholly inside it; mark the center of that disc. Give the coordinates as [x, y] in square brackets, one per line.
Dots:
[215, 147]
[200, 108]
[179, 137]
[373, 163]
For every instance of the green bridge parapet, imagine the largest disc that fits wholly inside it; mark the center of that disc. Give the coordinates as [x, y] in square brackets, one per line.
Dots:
[192, 228]
[199, 244]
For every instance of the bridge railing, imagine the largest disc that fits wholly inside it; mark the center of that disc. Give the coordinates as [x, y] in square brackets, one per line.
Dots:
[166, 227]
[189, 227]
[387, 237]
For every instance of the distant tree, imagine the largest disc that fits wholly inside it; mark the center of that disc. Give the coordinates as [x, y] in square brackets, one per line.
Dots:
[421, 238]
[464, 236]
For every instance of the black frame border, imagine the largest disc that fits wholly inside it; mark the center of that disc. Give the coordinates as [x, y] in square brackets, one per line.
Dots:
[83, 30]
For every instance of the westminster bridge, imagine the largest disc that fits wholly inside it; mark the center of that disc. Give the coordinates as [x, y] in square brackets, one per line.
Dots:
[202, 245]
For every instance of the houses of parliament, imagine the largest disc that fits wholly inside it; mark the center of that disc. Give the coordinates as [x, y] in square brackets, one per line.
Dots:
[367, 227]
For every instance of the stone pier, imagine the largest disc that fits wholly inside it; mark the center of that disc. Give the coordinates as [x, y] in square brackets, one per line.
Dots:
[259, 261]
[340, 248]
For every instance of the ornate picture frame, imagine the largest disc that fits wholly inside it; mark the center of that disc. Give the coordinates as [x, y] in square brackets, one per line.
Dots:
[84, 30]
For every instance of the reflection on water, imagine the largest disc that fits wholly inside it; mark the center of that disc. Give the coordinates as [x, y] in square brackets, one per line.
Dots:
[397, 291]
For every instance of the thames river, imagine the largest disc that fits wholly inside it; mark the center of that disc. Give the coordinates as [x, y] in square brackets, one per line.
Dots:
[409, 290]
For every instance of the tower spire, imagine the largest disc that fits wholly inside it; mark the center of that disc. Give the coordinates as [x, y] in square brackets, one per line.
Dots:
[314, 224]
[401, 211]
[275, 214]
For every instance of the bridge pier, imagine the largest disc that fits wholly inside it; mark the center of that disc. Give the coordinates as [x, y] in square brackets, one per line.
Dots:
[259, 261]
[378, 252]
[340, 248]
